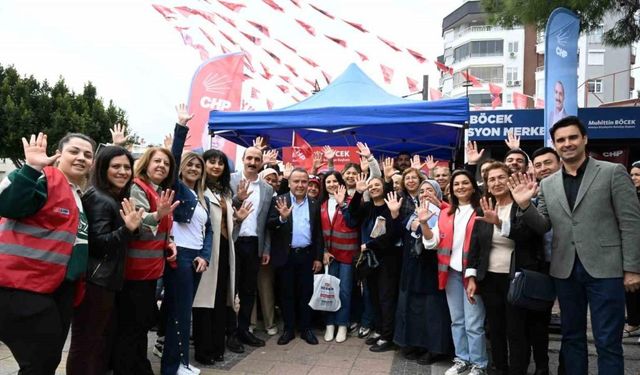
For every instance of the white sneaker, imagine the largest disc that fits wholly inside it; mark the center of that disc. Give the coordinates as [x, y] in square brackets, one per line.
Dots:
[459, 367]
[188, 370]
[272, 331]
[252, 328]
[328, 334]
[342, 334]
[475, 370]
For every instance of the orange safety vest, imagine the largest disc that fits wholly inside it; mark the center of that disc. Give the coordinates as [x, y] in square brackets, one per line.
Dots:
[446, 228]
[339, 239]
[35, 251]
[145, 255]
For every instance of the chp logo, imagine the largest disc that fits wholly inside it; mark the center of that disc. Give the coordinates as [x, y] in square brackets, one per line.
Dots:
[215, 84]
[561, 40]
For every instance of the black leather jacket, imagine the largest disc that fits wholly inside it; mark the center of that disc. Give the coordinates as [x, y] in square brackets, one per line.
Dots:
[108, 240]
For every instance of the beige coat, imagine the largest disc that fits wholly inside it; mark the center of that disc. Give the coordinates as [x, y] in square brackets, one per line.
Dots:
[206, 293]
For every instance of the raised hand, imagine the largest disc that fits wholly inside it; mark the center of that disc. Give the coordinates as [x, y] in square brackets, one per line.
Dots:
[183, 114]
[489, 211]
[340, 194]
[387, 168]
[35, 152]
[361, 183]
[523, 189]
[363, 149]
[328, 152]
[364, 164]
[259, 143]
[243, 190]
[283, 209]
[393, 203]
[423, 212]
[317, 159]
[165, 204]
[288, 168]
[245, 210]
[473, 155]
[416, 163]
[433, 199]
[512, 141]
[269, 157]
[168, 141]
[132, 218]
[430, 162]
[117, 134]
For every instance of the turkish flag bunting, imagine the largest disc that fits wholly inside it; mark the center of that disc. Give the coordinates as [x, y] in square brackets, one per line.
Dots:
[389, 43]
[302, 153]
[435, 94]
[226, 19]
[301, 91]
[285, 78]
[387, 73]
[412, 84]
[254, 93]
[519, 100]
[421, 59]
[322, 11]
[307, 80]
[224, 49]
[249, 66]
[326, 76]
[539, 103]
[263, 29]
[496, 101]
[471, 78]
[309, 61]
[356, 25]
[307, 27]
[204, 54]
[186, 11]
[443, 67]
[291, 69]
[274, 5]
[206, 35]
[495, 89]
[286, 45]
[362, 56]
[337, 41]
[232, 6]
[227, 37]
[266, 74]
[283, 88]
[251, 38]
[166, 12]
[296, 3]
[273, 56]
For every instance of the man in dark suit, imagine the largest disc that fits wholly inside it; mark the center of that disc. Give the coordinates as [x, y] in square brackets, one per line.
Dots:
[296, 253]
[595, 216]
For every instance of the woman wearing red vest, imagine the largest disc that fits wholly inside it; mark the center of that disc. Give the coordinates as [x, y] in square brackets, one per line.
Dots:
[136, 303]
[452, 237]
[341, 244]
[43, 249]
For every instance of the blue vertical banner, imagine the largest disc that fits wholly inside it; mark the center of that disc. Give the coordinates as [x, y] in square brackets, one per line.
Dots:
[560, 68]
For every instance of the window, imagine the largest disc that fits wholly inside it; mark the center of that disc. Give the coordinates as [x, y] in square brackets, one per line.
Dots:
[512, 74]
[493, 74]
[480, 100]
[595, 58]
[478, 48]
[596, 35]
[513, 47]
[509, 98]
[595, 86]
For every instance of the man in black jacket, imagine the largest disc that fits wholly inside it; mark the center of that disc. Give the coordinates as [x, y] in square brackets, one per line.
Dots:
[296, 253]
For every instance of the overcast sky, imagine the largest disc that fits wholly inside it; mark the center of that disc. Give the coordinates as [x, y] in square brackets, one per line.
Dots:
[136, 58]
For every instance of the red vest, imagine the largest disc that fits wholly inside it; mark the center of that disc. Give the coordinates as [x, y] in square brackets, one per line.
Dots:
[145, 256]
[339, 239]
[445, 226]
[35, 251]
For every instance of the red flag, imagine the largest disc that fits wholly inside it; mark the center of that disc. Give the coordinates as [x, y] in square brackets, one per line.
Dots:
[285, 78]
[283, 88]
[269, 104]
[307, 27]
[186, 38]
[286, 45]
[322, 11]
[274, 5]
[186, 11]
[302, 153]
[273, 56]
[249, 66]
[227, 37]
[309, 61]
[495, 90]
[363, 57]
[301, 91]
[263, 29]
[232, 6]
[356, 25]
[166, 12]
[227, 19]
[296, 2]
[266, 74]
[435, 94]
[254, 93]
[216, 85]
[539, 103]
[387, 73]
[519, 100]
[310, 82]
[224, 49]
[412, 84]
[291, 69]
[337, 41]
[443, 67]
[326, 76]
[496, 102]
[206, 35]
[389, 43]
[471, 78]
[208, 16]
[421, 59]
[251, 38]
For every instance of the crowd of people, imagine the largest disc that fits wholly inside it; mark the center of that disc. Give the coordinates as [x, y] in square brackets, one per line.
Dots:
[92, 240]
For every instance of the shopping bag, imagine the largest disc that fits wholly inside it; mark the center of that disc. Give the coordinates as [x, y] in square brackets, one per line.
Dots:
[326, 292]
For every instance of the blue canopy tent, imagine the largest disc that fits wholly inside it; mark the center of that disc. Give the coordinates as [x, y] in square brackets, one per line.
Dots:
[353, 108]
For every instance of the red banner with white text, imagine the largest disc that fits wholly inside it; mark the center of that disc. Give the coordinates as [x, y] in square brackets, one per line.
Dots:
[343, 156]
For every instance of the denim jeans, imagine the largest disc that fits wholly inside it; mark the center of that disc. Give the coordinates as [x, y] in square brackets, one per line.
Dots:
[362, 311]
[467, 322]
[180, 285]
[343, 272]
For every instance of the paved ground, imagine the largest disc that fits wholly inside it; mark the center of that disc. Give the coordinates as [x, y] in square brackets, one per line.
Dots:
[349, 357]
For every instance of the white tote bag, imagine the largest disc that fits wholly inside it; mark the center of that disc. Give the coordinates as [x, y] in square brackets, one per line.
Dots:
[326, 292]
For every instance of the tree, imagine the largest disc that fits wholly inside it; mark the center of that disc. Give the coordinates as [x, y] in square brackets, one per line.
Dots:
[28, 107]
[509, 13]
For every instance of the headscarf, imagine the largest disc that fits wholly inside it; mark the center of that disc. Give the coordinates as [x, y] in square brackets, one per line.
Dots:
[435, 186]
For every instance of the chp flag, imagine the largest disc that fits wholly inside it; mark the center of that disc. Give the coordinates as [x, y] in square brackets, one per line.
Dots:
[216, 85]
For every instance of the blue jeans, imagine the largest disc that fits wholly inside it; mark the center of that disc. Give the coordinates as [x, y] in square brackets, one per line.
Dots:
[179, 289]
[605, 298]
[344, 273]
[362, 311]
[467, 322]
